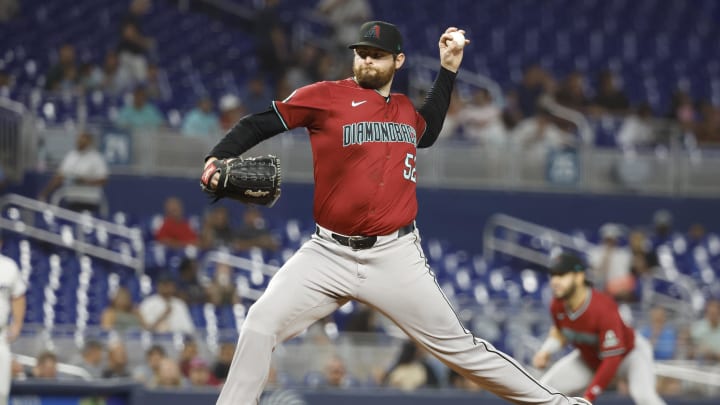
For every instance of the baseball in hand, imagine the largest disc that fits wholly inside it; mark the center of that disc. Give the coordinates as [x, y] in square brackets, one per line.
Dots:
[458, 38]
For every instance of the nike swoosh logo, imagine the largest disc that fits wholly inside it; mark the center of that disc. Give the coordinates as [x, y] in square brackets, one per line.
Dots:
[357, 103]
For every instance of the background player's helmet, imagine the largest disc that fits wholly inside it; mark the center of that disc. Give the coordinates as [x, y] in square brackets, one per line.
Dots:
[381, 35]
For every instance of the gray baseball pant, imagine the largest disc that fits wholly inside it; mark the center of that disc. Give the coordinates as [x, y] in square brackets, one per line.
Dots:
[392, 277]
[571, 374]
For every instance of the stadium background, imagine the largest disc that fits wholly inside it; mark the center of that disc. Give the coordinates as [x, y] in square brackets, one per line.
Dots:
[491, 266]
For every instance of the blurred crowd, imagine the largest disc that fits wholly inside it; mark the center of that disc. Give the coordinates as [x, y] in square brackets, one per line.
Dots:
[129, 69]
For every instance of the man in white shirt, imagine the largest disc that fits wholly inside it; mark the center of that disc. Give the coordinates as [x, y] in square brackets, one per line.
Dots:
[163, 312]
[82, 175]
[611, 263]
[12, 302]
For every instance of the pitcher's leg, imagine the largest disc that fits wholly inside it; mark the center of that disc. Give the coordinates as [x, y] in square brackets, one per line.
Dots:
[400, 285]
[307, 288]
[569, 375]
[641, 373]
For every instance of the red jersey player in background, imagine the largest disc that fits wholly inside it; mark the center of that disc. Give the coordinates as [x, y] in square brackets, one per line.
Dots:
[366, 246]
[605, 346]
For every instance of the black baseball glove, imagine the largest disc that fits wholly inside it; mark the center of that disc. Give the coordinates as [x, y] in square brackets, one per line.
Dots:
[253, 180]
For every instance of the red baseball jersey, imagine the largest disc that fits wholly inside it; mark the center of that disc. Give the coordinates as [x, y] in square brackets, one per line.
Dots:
[599, 333]
[596, 328]
[363, 147]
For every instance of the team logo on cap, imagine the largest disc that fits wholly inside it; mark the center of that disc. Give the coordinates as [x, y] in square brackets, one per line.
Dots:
[373, 32]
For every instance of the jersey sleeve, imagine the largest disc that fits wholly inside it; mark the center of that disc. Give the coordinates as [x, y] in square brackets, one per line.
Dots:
[611, 334]
[304, 106]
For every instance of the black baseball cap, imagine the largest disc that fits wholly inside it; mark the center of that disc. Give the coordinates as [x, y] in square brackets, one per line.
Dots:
[567, 263]
[381, 35]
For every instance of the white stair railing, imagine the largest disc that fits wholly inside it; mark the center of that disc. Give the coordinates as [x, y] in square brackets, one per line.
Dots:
[14, 212]
[552, 238]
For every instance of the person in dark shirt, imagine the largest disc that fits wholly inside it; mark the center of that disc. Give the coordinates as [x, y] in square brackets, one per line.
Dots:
[609, 98]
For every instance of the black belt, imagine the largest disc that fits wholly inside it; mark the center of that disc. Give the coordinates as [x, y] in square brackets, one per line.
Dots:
[365, 242]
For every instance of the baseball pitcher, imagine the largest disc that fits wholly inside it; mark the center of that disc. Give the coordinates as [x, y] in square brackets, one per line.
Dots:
[366, 246]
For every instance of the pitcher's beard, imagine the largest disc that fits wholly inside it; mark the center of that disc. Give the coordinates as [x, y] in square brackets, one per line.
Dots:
[368, 80]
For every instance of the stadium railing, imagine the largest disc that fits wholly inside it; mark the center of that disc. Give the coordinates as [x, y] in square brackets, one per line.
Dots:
[83, 233]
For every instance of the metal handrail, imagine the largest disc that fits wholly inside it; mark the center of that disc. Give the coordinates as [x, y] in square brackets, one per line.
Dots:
[466, 76]
[243, 263]
[568, 114]
[688, 371]
[63, 368]
[491, 244]
[134, 235]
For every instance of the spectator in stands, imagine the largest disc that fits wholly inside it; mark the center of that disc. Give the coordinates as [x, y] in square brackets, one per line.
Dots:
[199, 374]
[682, 109]
[175, 231]
[156, 84]
[163, 312]
[46, 366]
[114, 79]
[335, 374]
[637, 129]
[231, 110]
[571, 93]
[169, 375]
[140, 114]
[222, 291]
[610, 263]
[134, 47]
[117, 361]
[706, 334]
[662, 227]
[538, 135]
[535, 83]
[707, 130]
[664, 339]
[217, 232]
[92, 358]
[410, 371]
[254, 232]
[189, 351]
[662, 336]
[482, 121]
[189, 288]
[696, 235]
[609, 99]
[122, 314]
[82, 174]
[256, 96]
[201, 121]
[64, 72]
[221, 367]
[452, 127]
[644, 259]
[147, 373]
